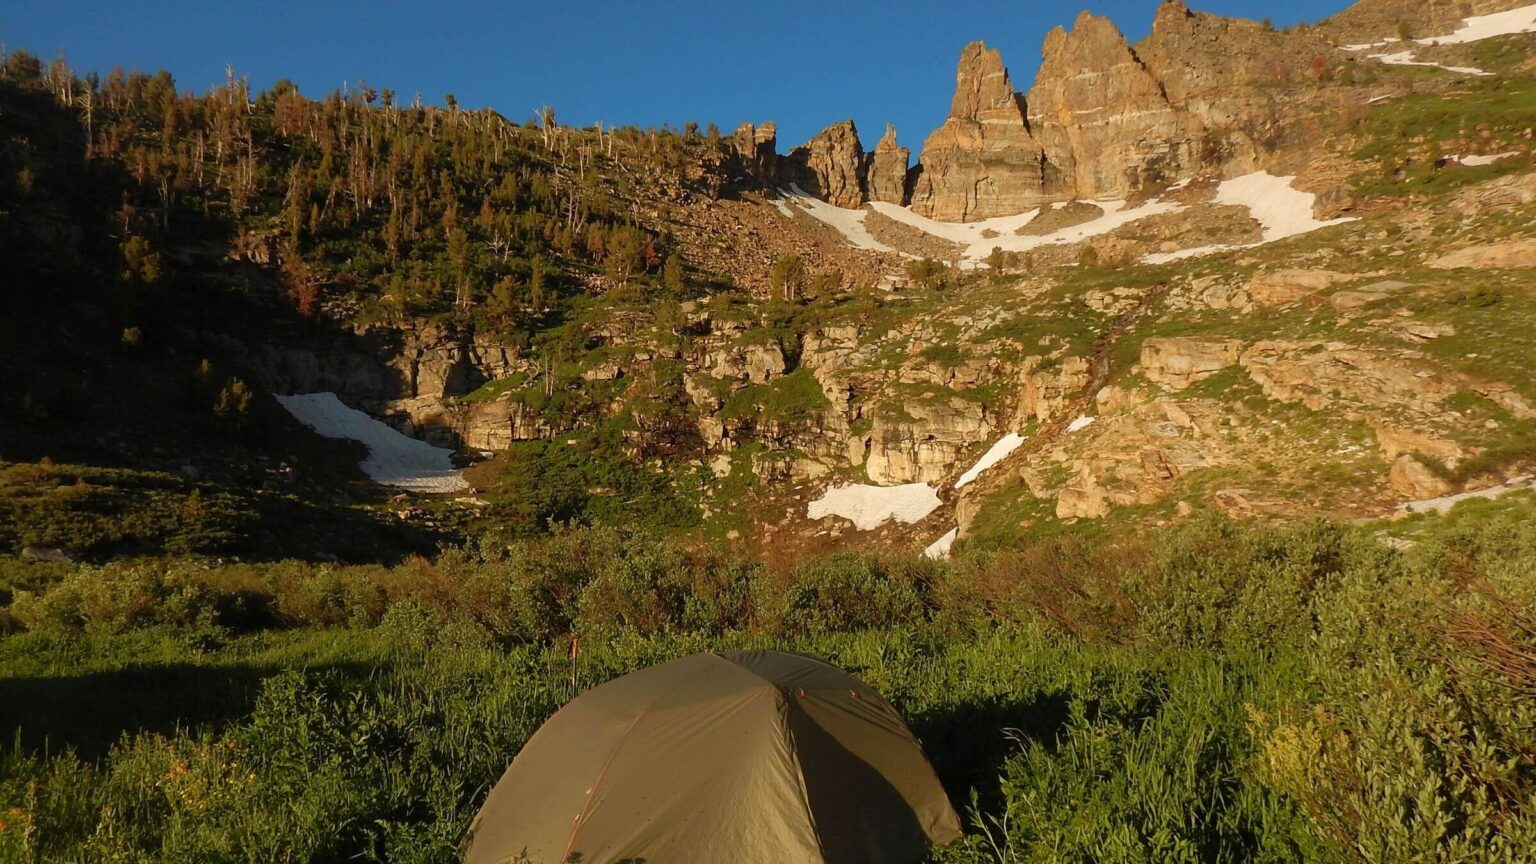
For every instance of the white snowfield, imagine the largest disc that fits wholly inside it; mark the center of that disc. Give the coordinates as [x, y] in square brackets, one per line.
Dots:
[1079, 423]
[849, 223]
[955, 232]
[1283, 212]
[1479, 27]
[393, 459]
[938, 550]
[1280, 209]
[997, 453]
[1486, 159]
[1444, 503]
[1474, 29]
[870, 507]
[1405, 58]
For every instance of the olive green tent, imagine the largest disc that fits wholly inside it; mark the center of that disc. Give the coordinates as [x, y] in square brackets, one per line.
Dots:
[757, 756]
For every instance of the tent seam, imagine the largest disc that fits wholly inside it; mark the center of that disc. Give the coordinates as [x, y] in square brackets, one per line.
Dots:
[794, 755]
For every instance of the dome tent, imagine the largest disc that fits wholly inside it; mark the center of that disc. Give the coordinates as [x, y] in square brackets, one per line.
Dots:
[755, 756]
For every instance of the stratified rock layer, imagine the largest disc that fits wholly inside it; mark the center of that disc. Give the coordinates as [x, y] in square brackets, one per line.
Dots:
[888, 165]
[1103, 119]
[983, 161]
[755, 150]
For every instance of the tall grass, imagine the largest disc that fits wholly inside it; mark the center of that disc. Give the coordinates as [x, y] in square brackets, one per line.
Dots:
[1226, 692]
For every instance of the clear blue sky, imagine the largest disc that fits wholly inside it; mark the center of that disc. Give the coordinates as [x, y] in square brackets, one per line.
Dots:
[801, 63]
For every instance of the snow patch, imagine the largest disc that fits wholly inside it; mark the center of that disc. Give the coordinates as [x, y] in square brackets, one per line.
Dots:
[1191, 252]
[393, 459]
[1362, 46]
[849, 223]
[1405, 58]
[980, 238]
[1280, 209]
[967, 233]
[1473, 29]
[997, 453]
[1115, 216]
[1487, 159]
[1283, 212]
[1082, 422]
[938, 550]
[872, 506]
[1479, 27]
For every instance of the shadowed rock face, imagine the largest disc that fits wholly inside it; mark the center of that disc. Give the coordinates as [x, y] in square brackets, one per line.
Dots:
[983, 161]
[831, 166]
[755, 149]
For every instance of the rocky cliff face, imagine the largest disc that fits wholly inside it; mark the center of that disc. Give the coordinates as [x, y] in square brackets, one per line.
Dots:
[983, 161]
[755, 151]
[1104, 119]
[830, 166]
[888, 166]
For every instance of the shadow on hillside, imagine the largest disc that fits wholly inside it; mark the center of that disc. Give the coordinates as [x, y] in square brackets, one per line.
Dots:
[89, 713]
[969, 741]
[108, 375]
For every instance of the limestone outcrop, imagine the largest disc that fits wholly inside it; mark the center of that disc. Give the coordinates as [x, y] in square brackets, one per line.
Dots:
[888, 165]
[1046, 393]
[755, 149]
[1321, 375]
[830, 166]
[982, 161]
[1103, 119]
[1138, 456]
[1504, 255]
[923, 439]
[1177, 363]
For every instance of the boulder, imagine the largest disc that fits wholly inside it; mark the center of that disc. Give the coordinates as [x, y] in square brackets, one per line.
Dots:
[1177, 363]
[1281, 287]
[1396, 441]
[1503, 255]
[1083, 498]
[1416, 480]
[1353, 300]
[46, 555]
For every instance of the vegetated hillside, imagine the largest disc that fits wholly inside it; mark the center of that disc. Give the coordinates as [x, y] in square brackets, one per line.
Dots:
[578, 302]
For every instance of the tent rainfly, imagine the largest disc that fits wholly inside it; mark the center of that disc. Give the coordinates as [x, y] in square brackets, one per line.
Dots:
[755, 756]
